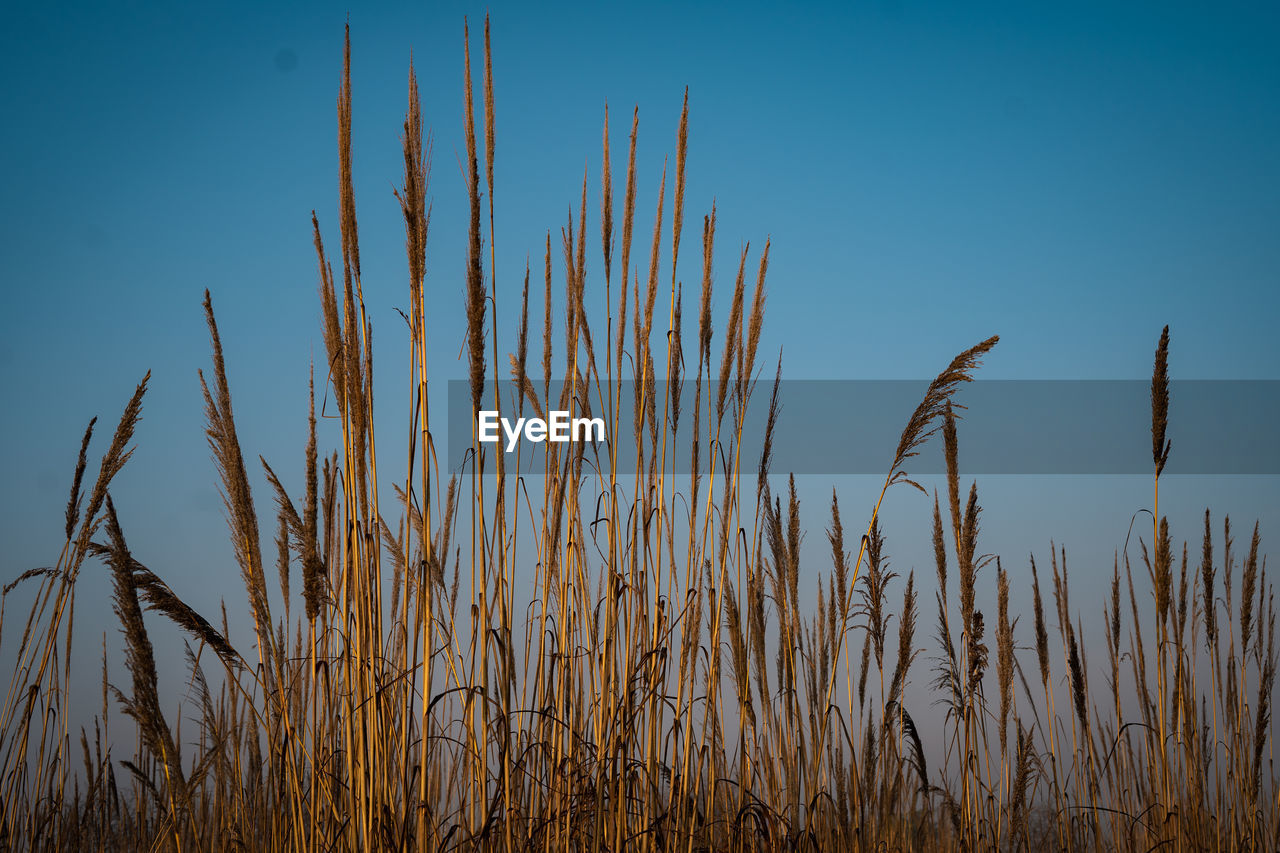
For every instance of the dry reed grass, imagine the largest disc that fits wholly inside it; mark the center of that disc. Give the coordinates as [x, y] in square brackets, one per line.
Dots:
[603, 714]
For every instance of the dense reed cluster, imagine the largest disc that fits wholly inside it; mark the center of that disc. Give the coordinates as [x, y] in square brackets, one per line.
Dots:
[603, 655]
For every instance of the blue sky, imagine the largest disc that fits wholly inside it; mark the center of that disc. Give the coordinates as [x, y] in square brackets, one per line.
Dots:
[1070, 176]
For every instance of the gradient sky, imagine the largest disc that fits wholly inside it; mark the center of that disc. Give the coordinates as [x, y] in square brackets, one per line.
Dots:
[1070, 176]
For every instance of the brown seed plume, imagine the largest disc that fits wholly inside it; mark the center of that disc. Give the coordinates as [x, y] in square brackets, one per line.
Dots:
[682, 147]
[282, 557]
[733, 335]
[755, 321]
[112, 461]
[237, 496]
[346, 191]
[1248, 580]
[1004, 653]
[939, 548]
[73, 503]
[921, 424]
[1208, 594]
[488, 111]
[546, 326]
[144, 705]
[628, 221]
[1160, 404]
[413, 205]
[519, 361]
[1042, 633]
[766, 453]
[906, 638]
[475, 299]
[676, 380]
[651, 291]
[704, 304]
[313, 573]
[839, 559]
[951, 451]
[606, 201]
[1078, 688]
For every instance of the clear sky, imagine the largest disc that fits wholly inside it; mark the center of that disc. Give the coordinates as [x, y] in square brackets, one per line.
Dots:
[1070, 176]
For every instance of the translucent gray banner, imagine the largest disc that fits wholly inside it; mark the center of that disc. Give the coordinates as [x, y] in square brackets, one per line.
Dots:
[1221, 427]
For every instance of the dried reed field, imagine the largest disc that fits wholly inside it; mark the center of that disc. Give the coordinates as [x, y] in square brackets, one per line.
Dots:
[610, 657]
